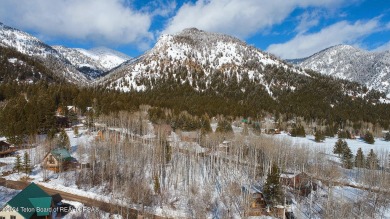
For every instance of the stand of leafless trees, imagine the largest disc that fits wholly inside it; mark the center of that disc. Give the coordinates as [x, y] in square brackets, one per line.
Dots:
[143, 167]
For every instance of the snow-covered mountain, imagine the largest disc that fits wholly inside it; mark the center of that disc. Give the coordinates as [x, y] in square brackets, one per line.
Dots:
[108, 58]
[347, 62]
[33, 47]
[194, 55]
[94, 62]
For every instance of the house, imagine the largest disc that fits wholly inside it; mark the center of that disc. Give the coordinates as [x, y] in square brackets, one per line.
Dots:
[258, 205]
[191, 148]
[31, 202]
[6, 148]
[224, 146]
[300, 182]
[111, 135]
[57, 159]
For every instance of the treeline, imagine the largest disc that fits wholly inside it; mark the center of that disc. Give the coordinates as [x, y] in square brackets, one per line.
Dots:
[28, 109]
[17, 66]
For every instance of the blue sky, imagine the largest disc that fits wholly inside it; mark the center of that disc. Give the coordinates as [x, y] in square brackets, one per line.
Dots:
[287, 28]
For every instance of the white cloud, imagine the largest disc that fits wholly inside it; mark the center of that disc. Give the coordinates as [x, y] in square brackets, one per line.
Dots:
[240, 18]
[383, 47]
[103, 21]
[343, 32]
[307, 20]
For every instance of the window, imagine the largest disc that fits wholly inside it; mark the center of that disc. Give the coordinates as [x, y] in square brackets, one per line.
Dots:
[1, 217]
[13, 217]
[51, 159]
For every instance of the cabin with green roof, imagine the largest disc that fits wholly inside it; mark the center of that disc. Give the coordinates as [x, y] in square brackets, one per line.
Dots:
[31, 202]
[57, 160]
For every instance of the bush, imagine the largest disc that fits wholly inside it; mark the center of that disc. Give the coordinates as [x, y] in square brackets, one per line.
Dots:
[387, 136]
[319, 136]
[298, 131]
[369, 138]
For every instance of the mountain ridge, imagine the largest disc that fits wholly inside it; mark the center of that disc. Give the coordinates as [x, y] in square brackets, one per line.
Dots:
[351, 63]
[196, 51]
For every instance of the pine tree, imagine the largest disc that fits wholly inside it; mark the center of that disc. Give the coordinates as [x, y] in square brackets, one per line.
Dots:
[224, 126]
[338, 147]
[168, 152]
[387, 136]
[205, 126]
[156, 184]
[26, 163]
[319, 136]
[18, 163]
[63, 140]
[372, 161]
[76, 131]
[359, 159]
[369, 138]
[298, 131]
[329, 131]
[347, 156]
[272, 188]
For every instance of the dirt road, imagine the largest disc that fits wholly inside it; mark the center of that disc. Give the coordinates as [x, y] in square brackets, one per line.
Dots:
[104, 206]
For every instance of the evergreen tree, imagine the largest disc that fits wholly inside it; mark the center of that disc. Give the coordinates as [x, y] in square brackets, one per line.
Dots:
[359, 159]
[344, 134]
[51, 133]
[168, 152]
[387, 136]
[338, 147]
[63, 140]
[26, 163]
[76, 131]
[156, 184]
[369, 138]
[72, 116]
[18, 163]
[224, 126]
[298, 131]
[329, 131]
[372, 161]
[272, 188]
[347, 156]
[319, 136]
[205, 126]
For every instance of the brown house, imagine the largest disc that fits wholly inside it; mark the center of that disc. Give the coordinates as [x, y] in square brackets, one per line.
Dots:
[6, 148]
[300, 182]
[258, 205]
[57, 160]
[111, 135]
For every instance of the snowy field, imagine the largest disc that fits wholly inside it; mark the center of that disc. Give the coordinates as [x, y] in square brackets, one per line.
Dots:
[380, 146]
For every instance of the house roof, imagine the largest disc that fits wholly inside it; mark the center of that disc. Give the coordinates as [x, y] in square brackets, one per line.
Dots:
[42, 203]
[30, 198]
[3, 143]
[61, 153]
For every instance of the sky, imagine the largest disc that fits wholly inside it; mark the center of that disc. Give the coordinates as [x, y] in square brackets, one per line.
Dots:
[287, 28]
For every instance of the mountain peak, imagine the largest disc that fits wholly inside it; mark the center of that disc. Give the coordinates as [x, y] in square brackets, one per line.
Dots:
[192, 30]
[351, 63]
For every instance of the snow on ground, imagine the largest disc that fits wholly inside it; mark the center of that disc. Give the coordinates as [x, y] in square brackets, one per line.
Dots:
[6, 195]
[60, 181]
[83, 211]
[380, 146]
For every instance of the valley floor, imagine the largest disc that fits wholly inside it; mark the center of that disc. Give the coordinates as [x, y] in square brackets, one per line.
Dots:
[347, 189]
